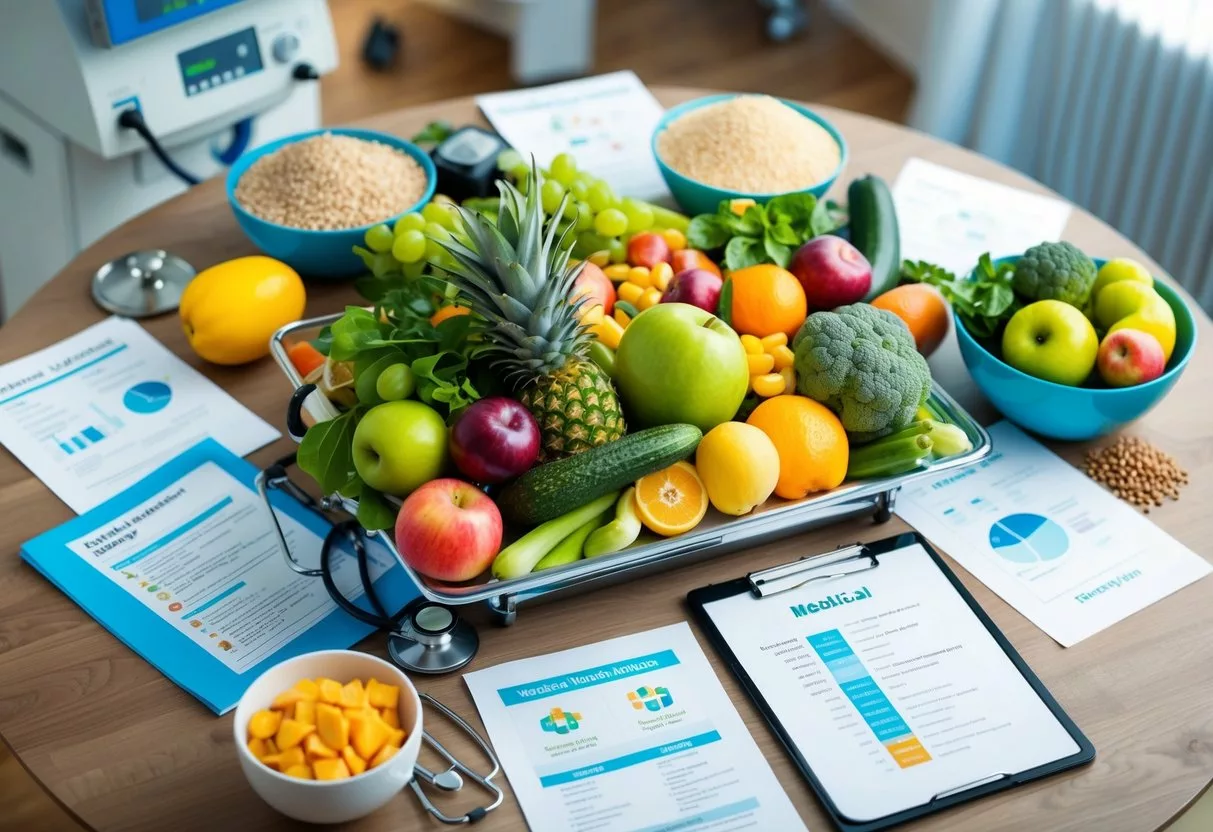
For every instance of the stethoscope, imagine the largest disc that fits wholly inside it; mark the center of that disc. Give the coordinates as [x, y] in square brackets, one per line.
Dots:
[423, 637]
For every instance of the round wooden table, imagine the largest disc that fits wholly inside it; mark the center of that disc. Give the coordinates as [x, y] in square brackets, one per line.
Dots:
[122, 747]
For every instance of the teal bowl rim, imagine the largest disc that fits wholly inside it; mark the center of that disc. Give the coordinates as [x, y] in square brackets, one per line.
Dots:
[696, 103]
[246, 160]
[1167, 377]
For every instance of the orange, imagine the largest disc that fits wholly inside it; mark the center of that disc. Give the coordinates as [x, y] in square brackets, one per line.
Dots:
[767, 300]
[922, 309]
[448, 312]
[673, 500]
[812, 446]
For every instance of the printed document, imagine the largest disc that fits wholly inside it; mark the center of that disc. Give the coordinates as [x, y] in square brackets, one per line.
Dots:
[96, 412]
[185, 567]
[890, 686]
[951, 218]
[634, 733]
[606, 122]
[1053, 544]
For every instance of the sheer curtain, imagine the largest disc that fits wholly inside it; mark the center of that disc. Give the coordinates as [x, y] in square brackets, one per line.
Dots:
[1108, 102]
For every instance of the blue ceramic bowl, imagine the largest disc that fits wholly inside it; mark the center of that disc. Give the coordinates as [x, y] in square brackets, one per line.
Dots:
[319, 254]
[1074, 413]
[697, 198]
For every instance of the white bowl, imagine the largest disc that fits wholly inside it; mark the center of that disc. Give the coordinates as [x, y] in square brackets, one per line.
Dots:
[329, 801]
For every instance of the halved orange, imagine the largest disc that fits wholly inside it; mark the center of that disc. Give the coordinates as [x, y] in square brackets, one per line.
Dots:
[673, 500]
[447, 312]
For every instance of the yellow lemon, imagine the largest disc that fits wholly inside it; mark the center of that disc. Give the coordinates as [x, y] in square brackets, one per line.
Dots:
[739, 467]
[230, 310]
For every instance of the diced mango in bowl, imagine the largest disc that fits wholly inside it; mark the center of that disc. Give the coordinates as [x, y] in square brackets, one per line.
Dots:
[322, 729]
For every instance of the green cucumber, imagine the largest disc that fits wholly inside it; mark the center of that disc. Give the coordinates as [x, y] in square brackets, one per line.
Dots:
[569, 549]
[550, 490]
[619, 533]
[874, 231]
[889, 457]
[521, 556]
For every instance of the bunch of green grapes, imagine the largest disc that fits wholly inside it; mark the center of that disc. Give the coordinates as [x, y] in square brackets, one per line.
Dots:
[410, 244]
[602, 220]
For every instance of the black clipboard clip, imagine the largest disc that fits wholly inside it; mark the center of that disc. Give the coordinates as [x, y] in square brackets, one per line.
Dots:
[842, 562]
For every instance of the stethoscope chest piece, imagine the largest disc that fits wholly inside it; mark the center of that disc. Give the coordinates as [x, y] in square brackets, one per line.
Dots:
[432, 639]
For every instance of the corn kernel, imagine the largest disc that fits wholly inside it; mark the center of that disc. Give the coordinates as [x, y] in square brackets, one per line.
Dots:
[661, 275]
[630, 292]
[783, 355]
[752, 345]
[617, 272]
[789, 379]
[760, 364]
[674, 238]
[770, 384]
[651, 297]
[622, 318]
[600, 259]
[640, 276]
[779, 339]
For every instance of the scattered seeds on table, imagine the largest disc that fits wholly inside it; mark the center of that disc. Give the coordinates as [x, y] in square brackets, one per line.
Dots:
[1136, 472]
[331, 181]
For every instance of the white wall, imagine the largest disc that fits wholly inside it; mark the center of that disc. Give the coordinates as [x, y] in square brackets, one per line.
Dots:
[896, 27]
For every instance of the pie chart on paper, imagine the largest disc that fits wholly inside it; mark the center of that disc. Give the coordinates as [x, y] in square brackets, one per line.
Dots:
[147, 397]
[1028, 538]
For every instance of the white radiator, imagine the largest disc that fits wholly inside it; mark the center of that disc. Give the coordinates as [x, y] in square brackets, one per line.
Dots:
[1108, 102]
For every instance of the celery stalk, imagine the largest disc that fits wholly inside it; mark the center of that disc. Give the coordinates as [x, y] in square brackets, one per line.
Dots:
[569, 549]
[520, 557]
[888, 457]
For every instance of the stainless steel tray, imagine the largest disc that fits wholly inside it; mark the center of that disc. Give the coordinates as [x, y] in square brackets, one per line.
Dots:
[716, 535]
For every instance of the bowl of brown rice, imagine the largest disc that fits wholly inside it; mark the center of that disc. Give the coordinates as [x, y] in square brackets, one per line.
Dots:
[308, 199]
[745, 146]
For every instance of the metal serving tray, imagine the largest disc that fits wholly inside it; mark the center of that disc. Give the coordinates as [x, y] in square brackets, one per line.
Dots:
[716, 535]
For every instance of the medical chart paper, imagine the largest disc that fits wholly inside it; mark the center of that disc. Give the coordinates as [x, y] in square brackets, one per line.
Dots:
[951, 218]
[606, 122]
[1056, 546]
[185, 568]
[96, 412]
[635, 733]
[889, 686]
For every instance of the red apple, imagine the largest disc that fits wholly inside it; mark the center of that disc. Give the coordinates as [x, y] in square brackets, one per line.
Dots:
[593, 282]
[648, 249]
[448, 530]
[698, 287]
[1130, 356]
[692, 258]
[832, 271]
[494, 439]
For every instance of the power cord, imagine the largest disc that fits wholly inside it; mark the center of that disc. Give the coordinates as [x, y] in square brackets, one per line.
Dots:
[133, 120]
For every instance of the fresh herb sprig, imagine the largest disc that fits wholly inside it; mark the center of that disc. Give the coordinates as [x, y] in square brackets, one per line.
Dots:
[764, 234]
[984, 302]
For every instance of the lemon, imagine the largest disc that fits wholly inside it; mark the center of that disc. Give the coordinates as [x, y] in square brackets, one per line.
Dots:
[230, 311]
[739, 466]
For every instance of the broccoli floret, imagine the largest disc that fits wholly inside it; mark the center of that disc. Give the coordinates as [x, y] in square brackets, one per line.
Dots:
[860, 362]
[1055, 271]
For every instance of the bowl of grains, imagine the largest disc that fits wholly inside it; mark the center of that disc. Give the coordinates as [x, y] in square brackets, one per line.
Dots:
[745, 147]
[1059, 411]
[308, 199]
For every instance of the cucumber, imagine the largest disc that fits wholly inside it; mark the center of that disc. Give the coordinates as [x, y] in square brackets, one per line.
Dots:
[569, 549]
[555, 488]
[889, 456]
[521, 556]
[874, 231]
[619, 533]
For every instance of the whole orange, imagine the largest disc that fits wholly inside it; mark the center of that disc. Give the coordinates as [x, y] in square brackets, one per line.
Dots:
[767, 300]
[812, 446]
[922, 309]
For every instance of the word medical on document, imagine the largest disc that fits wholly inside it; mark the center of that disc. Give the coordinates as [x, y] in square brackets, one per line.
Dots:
[830, 601]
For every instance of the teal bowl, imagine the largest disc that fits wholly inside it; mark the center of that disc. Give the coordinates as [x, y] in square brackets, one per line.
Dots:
[1074, 413]
[698, 198]
[320, 255]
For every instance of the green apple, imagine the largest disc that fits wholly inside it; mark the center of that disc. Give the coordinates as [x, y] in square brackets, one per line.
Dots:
[1052, 340]
[677, 363]
[398, 446]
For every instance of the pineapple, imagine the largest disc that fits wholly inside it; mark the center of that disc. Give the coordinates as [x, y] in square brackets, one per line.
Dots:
[516, 275]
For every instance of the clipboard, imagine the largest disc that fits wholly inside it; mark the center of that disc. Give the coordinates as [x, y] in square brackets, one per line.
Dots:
[819, 573]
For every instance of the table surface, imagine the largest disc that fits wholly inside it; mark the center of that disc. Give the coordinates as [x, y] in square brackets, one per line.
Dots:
[122, 747]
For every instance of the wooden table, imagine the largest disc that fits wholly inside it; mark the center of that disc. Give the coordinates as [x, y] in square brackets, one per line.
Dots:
[121, 747]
